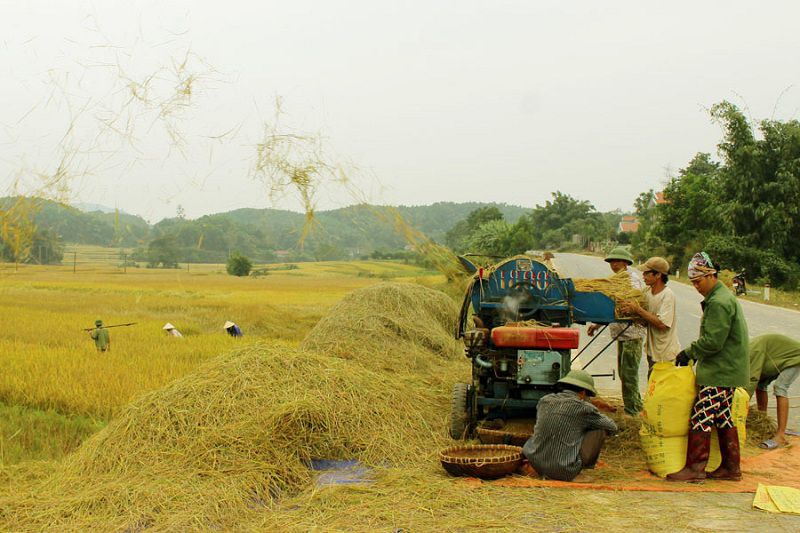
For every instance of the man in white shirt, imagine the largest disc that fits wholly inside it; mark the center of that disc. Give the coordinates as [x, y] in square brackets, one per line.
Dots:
[662, 342]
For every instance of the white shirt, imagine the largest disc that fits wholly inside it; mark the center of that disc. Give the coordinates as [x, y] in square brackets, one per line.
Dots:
[662, 345]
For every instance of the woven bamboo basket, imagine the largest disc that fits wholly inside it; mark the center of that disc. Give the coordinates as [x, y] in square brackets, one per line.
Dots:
[500, 436]
[486, 461]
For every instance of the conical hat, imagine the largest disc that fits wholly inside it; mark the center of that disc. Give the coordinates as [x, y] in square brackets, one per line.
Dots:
[168, 326]
[228, 324]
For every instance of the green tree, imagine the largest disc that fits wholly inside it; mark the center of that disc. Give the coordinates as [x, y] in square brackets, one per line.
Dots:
[163, 252]
[689, 215]
[491, 238]
[238, 265]
[460, 236]
[564, 216]
[760, 181]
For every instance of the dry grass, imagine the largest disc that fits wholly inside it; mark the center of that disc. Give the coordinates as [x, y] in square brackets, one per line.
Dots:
[617, 287]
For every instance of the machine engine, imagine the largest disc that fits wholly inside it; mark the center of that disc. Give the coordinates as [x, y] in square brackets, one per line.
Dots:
[519, 338]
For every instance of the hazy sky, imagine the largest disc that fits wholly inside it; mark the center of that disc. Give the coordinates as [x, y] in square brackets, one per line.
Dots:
[423, 101]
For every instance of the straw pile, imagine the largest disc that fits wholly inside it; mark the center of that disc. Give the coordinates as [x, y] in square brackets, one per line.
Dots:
[617, 287]
[223, 445]
[391, 327]
[760, 427]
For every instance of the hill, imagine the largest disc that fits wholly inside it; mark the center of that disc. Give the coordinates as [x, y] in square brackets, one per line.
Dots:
[353, 231]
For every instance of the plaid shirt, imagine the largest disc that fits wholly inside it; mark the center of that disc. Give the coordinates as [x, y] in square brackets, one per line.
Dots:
[562, 419]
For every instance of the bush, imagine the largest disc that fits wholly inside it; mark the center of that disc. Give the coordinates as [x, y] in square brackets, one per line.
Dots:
[761, 265]
[238, 265]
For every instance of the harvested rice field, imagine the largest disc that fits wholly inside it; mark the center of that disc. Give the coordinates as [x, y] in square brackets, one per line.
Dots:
[211, 433]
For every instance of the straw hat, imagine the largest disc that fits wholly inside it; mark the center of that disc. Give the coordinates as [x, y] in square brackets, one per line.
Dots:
[168, 326]
[228, 324]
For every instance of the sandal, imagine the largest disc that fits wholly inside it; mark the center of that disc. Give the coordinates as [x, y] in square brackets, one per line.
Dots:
[792, 433]
[771, 444]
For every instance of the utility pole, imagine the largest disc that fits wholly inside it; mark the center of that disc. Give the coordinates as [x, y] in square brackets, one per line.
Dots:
[124, 263]
[74, 261]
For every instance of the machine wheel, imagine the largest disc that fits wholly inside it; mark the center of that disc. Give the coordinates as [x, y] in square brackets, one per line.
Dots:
[461, 416]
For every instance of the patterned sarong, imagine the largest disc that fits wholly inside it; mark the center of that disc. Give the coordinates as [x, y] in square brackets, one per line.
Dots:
[712, 408]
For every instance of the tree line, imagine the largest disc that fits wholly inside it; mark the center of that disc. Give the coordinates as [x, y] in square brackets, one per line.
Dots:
[742, 209]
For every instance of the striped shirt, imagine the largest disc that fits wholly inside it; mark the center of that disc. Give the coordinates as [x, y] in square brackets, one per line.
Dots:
[562, 420]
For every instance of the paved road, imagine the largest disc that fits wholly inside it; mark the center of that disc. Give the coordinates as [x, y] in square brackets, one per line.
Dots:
[760, 319]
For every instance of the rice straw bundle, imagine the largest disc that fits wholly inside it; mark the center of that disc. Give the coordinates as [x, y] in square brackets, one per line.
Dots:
[617, 287]
[527, 324]
[760, 427]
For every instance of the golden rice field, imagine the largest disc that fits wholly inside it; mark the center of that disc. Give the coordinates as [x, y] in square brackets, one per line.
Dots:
[49, 363]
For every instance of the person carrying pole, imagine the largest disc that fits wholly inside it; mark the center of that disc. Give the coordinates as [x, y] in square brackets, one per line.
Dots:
[102, 340]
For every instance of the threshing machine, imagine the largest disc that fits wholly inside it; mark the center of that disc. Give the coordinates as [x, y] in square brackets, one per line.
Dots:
[518, 338]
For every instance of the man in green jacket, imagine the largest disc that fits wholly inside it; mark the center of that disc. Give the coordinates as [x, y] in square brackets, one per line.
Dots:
[774, 359]
[101, 338]
[722, 365]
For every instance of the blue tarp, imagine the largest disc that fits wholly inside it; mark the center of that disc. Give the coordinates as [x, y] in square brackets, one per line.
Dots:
[333, 472]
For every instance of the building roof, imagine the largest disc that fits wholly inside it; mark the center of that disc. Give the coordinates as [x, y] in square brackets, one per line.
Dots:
[628, 224]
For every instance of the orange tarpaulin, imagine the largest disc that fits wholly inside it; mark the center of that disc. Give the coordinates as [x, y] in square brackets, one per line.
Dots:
[776, 467]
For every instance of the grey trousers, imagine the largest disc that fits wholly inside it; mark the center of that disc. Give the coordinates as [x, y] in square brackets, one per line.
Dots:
[590, 447]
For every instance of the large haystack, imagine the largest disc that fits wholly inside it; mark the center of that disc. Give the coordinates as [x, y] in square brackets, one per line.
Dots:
[226, 442]
[392, 327]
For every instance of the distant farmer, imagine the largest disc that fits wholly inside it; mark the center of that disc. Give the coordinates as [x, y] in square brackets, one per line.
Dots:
[662, 342]
[629, 336]
[102, 340]
[722, 365]
[569, 431]
[232, 329]
[171, 330]
[774, 359]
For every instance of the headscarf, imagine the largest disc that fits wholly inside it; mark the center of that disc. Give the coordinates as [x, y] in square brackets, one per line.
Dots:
[700, 266]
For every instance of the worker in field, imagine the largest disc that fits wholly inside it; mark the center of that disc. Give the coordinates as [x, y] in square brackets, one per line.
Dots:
[569, 432]
[629, 336]
[661, 342]
[722, 365]
[774, 359]
[171, 330]
[102, 340]
[232, 329]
